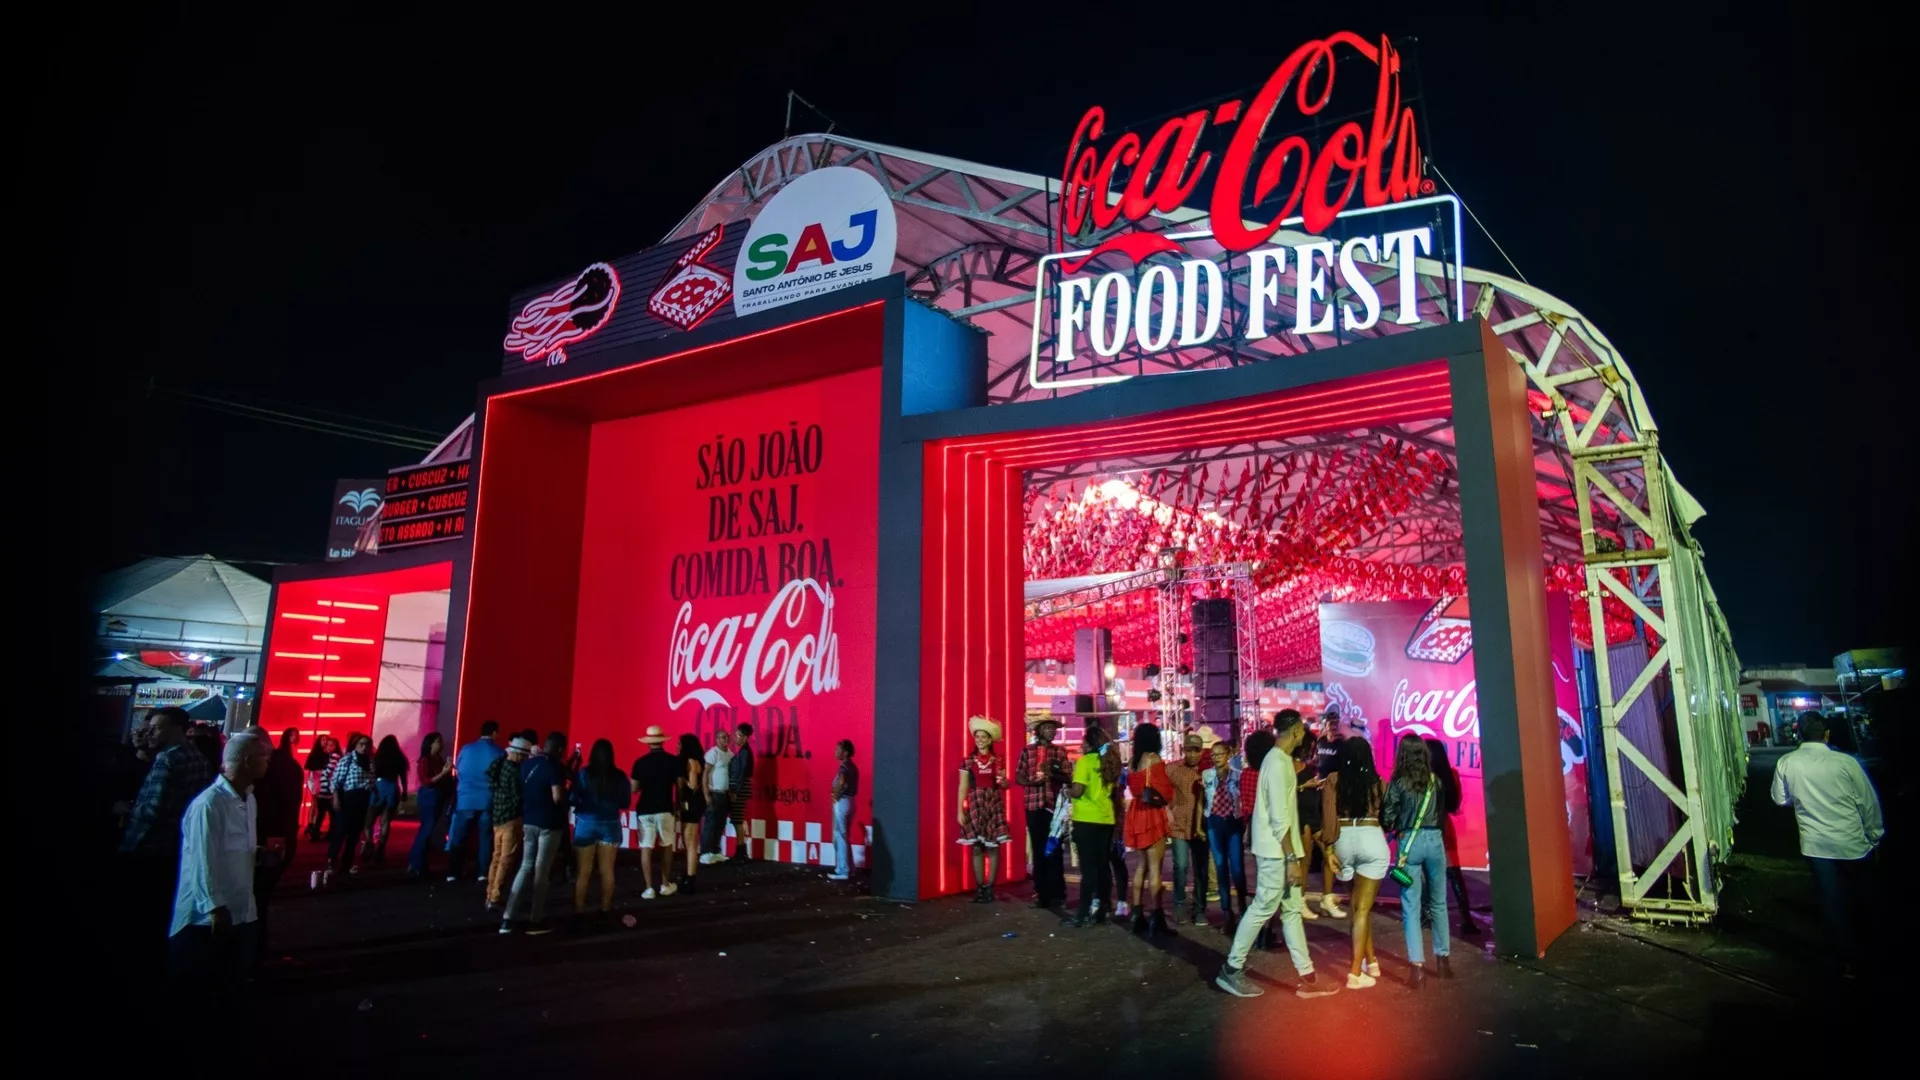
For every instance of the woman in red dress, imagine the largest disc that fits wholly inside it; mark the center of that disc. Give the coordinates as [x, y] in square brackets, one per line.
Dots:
[983, 805]
[1148, 825]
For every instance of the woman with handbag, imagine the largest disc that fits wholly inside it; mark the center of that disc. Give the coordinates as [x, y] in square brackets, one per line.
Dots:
[1357, 847]
[1449, 835]
[1220, 788]
[1412, 810]
[1148, 826]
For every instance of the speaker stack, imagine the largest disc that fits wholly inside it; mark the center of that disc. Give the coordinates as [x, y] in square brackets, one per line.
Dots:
[1216, 666]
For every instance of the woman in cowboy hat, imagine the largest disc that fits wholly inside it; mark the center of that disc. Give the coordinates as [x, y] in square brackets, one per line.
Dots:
[983, 810]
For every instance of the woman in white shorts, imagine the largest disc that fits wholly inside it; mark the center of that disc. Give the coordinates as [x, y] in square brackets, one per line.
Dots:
[1350, 817]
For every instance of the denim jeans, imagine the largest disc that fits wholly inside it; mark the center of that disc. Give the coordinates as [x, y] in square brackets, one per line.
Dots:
[1839, 884]
[842, 848]
[345, 839]
[1189, 854]
[1426, 863]
[433, 829]
[713, 830]
[457, 835]
[541, 846]
[1223, 835]
[1049, 871]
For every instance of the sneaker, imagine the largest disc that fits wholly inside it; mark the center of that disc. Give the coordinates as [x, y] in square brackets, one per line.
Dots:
[1370, 967]
[506, 928]
[648, 895]
[669, 889]
[482, 879]
[1235, 982]
[1331, 905]
[353, 869]
[541, 927]
[1359, 982]
[1121, 910]
[849, 877]
[706, 859]
[1311, 987]
[1094, 909]
[453, 877]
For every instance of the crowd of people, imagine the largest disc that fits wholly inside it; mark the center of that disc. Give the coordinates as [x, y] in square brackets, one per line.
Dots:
[1208, 808]
[523, 799]
[207, 826]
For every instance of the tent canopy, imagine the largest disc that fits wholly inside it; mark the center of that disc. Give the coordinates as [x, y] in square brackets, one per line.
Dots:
[193, 600]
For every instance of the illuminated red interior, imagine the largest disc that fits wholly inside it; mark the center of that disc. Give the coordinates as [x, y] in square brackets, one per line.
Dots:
[971, 606]
[530, 510]
[322, 669]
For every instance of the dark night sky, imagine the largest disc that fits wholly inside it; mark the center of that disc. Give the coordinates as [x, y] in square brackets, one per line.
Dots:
[332, 212]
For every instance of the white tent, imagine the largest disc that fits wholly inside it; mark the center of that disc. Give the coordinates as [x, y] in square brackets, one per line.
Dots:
[194, 602]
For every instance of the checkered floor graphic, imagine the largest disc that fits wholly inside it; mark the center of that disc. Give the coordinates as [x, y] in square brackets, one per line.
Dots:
[805, 843]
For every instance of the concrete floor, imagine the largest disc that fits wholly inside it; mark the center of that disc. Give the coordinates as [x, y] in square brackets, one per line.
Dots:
[774, 969]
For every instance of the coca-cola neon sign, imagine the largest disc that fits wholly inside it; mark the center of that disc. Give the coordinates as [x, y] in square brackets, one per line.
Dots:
[1434, 713]
[1380, 160]
[780, 656]
[1164, 298]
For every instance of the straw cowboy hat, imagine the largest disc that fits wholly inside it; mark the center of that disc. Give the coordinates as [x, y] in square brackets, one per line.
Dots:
[655, 735]
[986, 724]
[1035, 719]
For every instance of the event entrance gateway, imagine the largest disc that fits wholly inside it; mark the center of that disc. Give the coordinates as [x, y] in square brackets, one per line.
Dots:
[1217, 422]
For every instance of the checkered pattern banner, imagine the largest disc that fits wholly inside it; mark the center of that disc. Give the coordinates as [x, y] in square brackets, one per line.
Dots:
[804, 843]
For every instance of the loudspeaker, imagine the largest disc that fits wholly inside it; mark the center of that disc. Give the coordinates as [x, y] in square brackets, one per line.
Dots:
[1216, 662]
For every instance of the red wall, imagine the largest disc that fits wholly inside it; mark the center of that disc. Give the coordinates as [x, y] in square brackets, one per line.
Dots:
[327, 687]
[518, 655]
[584, 494]
[661, 640]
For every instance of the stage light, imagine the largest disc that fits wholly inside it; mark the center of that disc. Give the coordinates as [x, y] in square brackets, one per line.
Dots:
[1111, 670]
[119, 656]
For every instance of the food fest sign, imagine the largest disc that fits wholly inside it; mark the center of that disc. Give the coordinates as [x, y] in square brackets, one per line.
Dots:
[1162, 297]
[1405, 667]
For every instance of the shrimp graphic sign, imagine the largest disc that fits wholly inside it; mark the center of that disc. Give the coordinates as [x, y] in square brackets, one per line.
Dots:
[573, 312]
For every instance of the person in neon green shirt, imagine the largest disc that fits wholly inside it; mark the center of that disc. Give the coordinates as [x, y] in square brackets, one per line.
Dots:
[1096, 779]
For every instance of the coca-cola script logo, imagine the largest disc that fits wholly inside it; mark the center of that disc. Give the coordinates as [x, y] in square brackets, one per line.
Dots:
[781, 657]
[1382, 159]
[1435, 714]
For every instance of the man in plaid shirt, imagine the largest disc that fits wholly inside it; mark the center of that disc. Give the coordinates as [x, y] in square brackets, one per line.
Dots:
[1042, 771]
[179, 773]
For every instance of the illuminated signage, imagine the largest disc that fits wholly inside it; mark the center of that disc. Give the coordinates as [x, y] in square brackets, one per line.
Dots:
[425, 504]
[825, 230]
[1312, 286]
[1359, 220]
[355, 503]
[573, 312]
[1382, 159]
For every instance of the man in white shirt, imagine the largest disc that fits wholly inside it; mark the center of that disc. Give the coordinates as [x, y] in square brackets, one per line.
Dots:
[1275, 832]
[1839, 818]
[713, 830]
[214, 915]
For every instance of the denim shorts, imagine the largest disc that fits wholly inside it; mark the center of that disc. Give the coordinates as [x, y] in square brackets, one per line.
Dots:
[590, 831]
[386, 795]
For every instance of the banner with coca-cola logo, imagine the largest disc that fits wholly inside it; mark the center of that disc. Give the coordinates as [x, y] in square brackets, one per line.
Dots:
[727, 576]
[1402, 667]
[1406, 666]
[1573, 739]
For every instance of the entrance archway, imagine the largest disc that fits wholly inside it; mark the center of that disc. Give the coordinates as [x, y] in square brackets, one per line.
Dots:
[959, 474]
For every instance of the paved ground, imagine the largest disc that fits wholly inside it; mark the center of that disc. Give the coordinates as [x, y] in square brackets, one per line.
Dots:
[774, 969]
